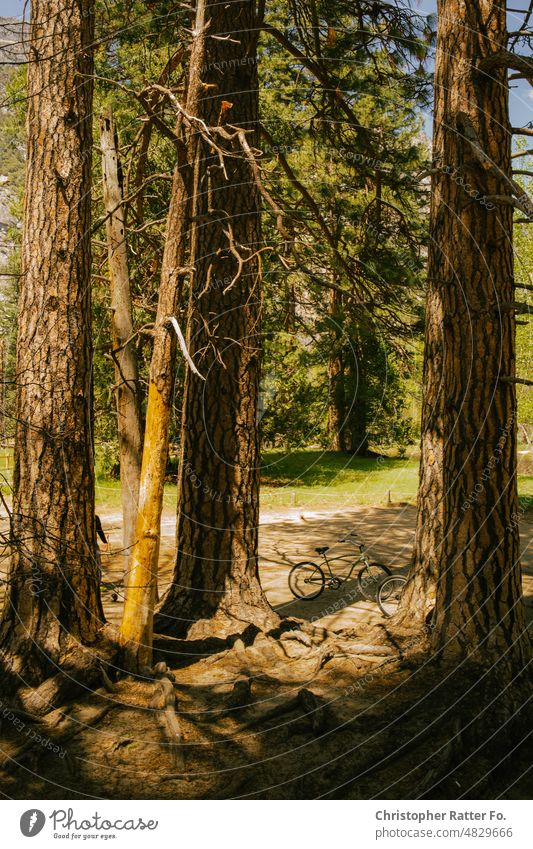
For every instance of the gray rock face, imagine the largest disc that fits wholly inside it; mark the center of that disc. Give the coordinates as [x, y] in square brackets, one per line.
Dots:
[7, 220]
[12, 38]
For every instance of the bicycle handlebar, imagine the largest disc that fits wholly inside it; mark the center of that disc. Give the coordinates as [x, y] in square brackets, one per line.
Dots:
[351, 536]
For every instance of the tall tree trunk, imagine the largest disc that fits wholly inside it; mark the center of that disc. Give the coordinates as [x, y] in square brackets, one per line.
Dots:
[336, 389]
[53, 581]
[129, 424]
[467, 543]
[358, 413]
[216, 585]
[136, 631]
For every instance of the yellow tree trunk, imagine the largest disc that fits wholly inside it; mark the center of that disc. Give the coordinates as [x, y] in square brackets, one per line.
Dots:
[136, 630]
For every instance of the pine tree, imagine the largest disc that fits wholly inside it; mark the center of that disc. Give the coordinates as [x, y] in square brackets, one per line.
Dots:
[215, 587]
[53, 580]
[467, 543]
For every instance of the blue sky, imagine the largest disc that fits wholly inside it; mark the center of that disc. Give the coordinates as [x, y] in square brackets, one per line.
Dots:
[521, 94]
[521, 98]
[11, 7]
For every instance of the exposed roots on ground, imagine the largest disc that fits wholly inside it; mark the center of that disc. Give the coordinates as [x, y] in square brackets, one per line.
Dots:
[223, 623]
[293, 712]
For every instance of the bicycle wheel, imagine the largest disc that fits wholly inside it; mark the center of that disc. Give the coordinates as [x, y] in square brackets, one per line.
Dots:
[389, 594]
[306, 581]
[369, 579]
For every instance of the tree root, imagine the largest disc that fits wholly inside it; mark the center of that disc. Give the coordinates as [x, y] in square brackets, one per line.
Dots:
[313, 707]
[164, 703]
[50, 734]
[225, 623]
[80, 673]
[182, 653]
[241, 694]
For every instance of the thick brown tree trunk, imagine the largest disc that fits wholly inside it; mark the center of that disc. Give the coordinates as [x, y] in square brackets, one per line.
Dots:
[127, 390]
[216, 587]
[53, 579]
[467, 543]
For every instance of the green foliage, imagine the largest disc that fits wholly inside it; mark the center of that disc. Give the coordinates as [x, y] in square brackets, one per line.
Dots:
[107, 460]
[293, 403]
[363, 180]
[523, 243]
[12, 89]
[12, 116]
[140, 43]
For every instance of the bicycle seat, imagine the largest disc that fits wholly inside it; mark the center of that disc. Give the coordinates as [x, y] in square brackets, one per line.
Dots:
[322, 550]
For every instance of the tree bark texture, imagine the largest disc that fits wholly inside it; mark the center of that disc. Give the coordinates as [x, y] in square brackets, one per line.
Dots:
[216, 584]
[53, 581]
[358, 414]
[467, 543]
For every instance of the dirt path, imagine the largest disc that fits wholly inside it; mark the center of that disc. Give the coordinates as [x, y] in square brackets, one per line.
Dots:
[347, 724]
[291, 534]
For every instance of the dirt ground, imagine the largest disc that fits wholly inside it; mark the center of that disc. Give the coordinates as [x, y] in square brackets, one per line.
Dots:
[290, 535]
[297, 714]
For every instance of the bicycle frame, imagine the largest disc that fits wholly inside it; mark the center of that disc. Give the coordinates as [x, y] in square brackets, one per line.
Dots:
[359, 558]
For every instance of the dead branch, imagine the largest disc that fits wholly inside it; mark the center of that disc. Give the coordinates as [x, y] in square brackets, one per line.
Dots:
[521, 380]
[520, 197]
[514, 306]
[506, 59]
[519, 153]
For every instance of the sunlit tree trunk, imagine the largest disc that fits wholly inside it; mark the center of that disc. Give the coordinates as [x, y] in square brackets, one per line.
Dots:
[215, 587]
[467, 543]
[53, 581]
[136, 631]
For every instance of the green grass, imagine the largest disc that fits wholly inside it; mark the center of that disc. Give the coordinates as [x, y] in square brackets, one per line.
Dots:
[525, 491]
[322, 479]
[108, 494]
[313, 479]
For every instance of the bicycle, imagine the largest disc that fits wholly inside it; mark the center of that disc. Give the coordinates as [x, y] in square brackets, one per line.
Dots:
[389, 594]
[307, 580]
